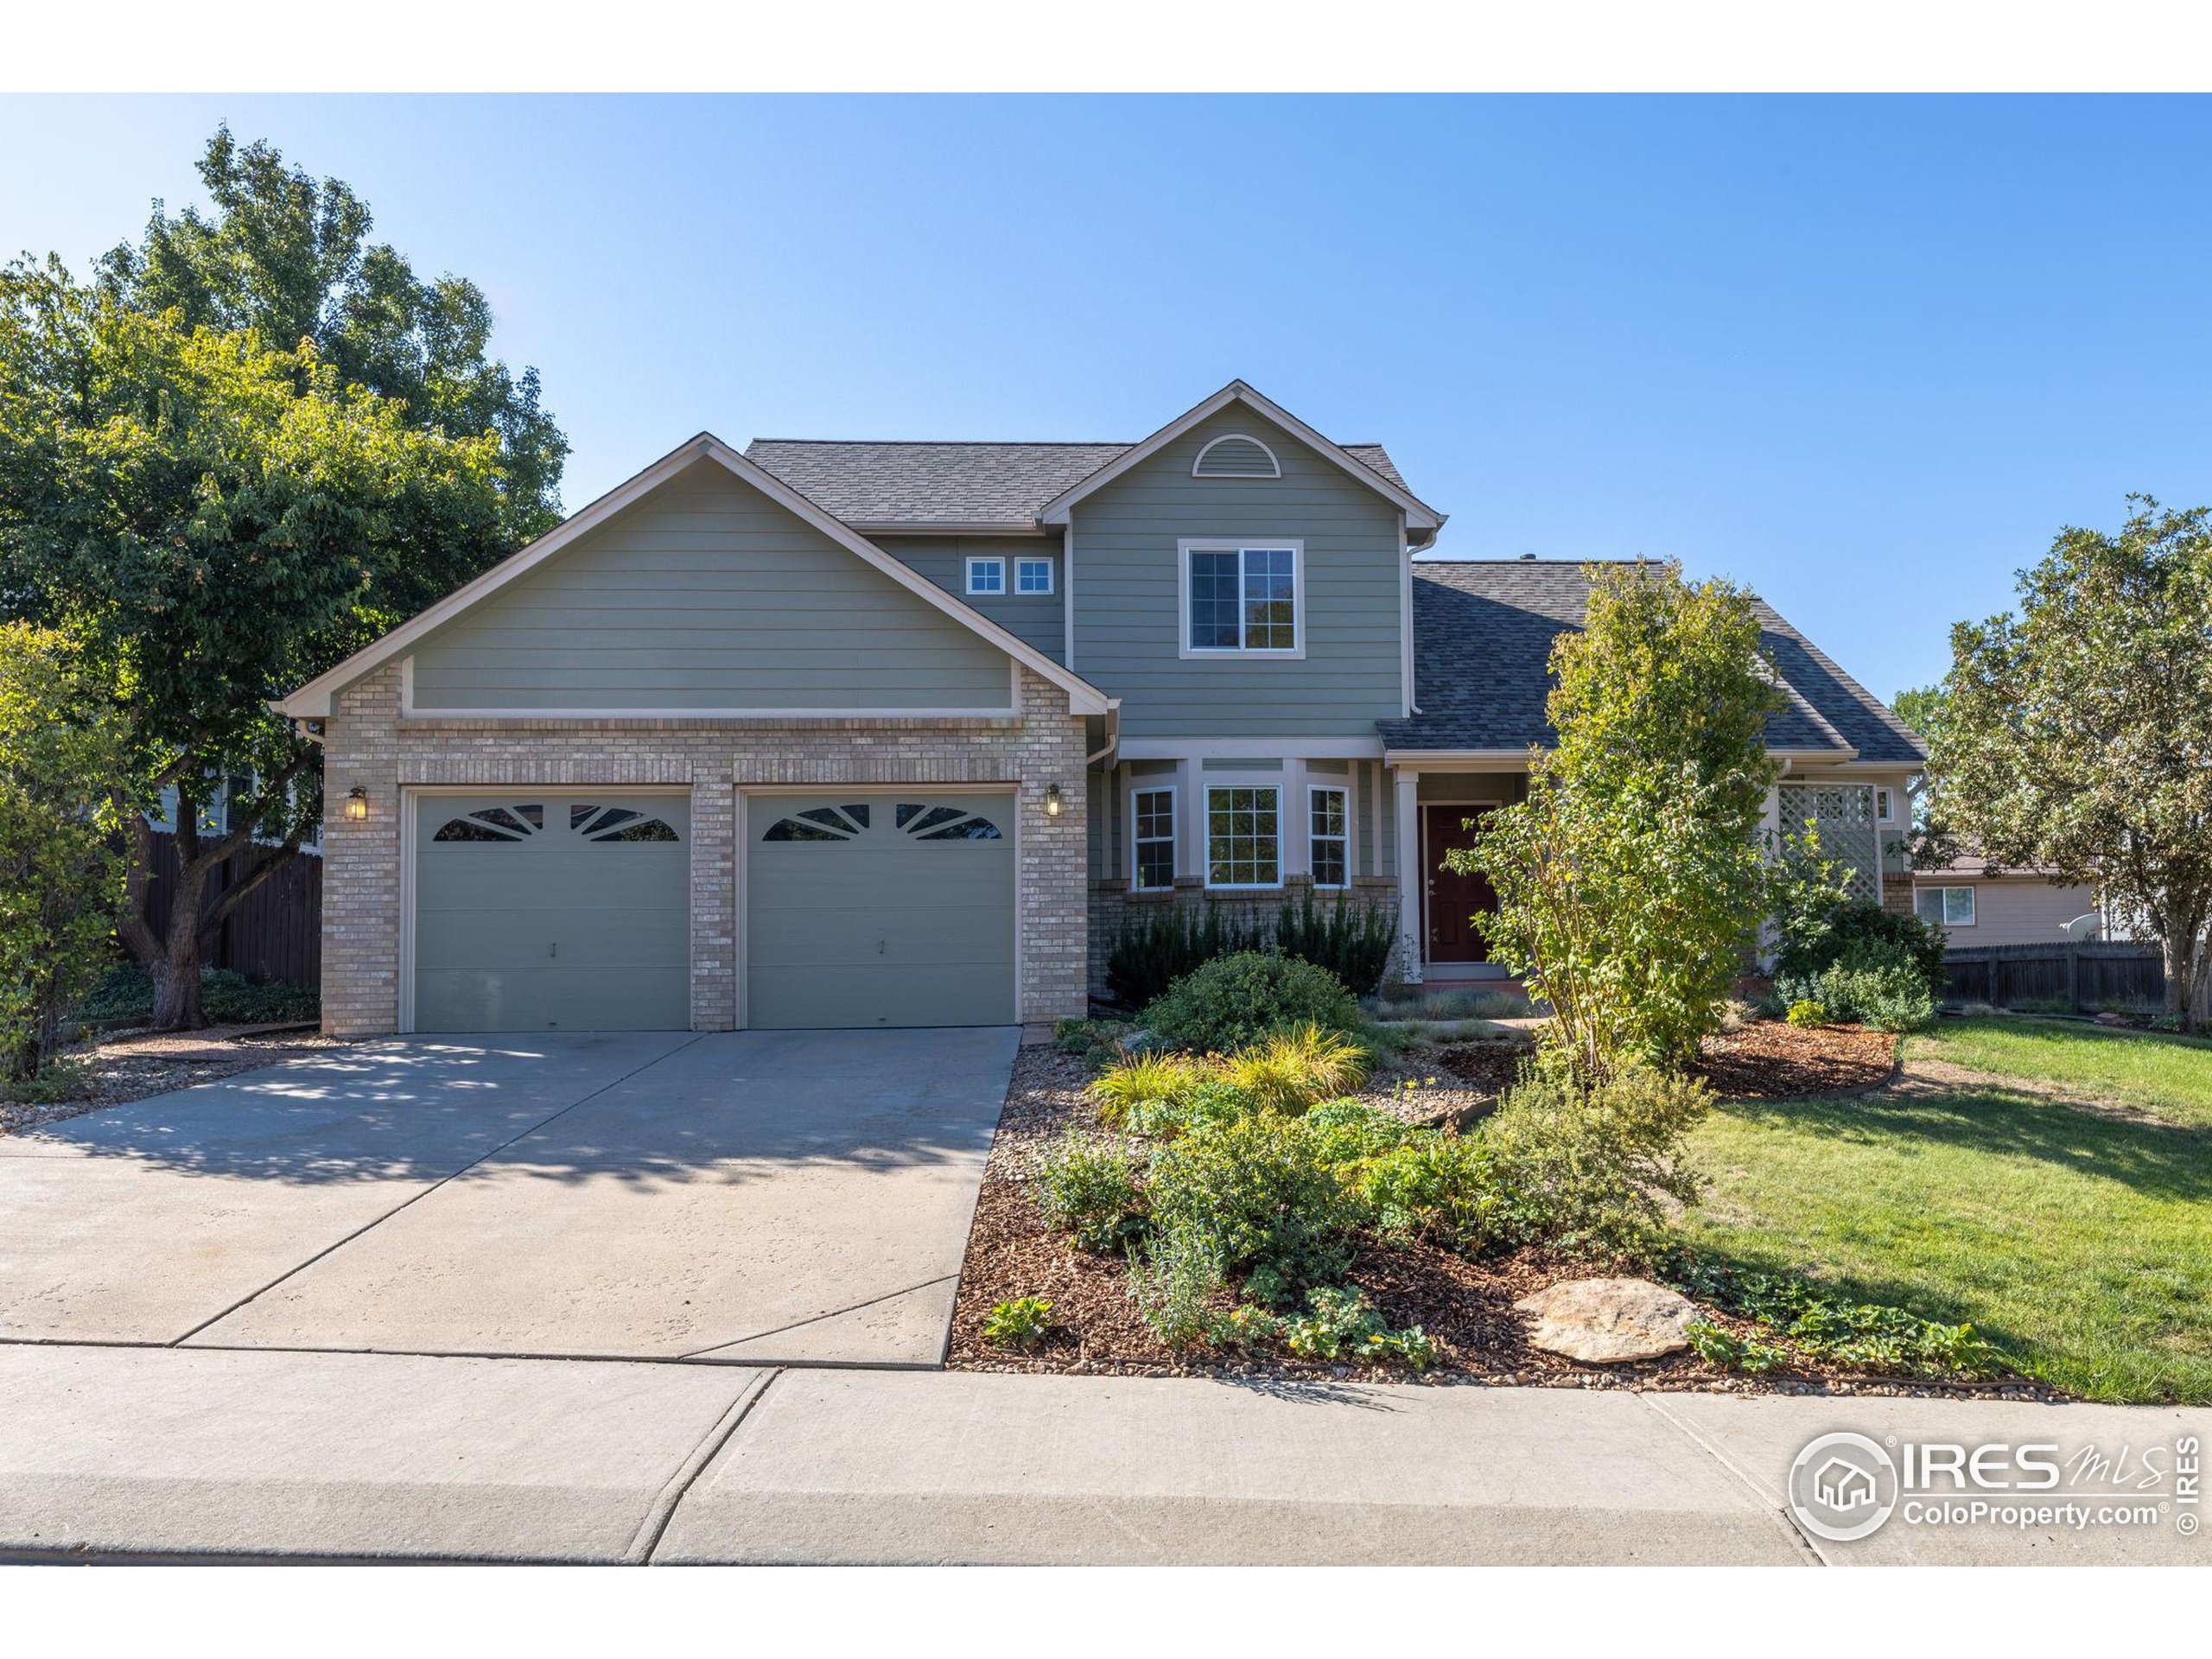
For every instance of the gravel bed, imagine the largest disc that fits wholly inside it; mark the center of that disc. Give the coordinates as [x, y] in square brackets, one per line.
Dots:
[132, 1064]
[1466, 1305]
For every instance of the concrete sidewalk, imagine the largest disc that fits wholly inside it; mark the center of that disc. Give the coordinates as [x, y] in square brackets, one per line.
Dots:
[200, 1453]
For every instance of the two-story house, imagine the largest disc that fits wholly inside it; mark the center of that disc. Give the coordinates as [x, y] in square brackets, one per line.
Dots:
[827, 734]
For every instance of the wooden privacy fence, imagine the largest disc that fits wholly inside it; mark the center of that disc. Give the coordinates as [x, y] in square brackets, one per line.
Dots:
[2082, 977]
[276, 932]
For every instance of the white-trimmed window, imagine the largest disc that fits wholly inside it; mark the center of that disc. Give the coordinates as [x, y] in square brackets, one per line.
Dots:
[1244, 836]
[1329, 835]
[986, 575]
[1243, 599]
[1152, 840]
[1033, 575]
[1944, 907]
[1886, 810]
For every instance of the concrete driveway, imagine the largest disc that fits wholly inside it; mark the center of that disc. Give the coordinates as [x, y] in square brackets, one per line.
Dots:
[749, 1197]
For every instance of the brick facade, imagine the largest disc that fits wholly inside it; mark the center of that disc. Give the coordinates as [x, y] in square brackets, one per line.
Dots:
[369, 743]
[1897, 892]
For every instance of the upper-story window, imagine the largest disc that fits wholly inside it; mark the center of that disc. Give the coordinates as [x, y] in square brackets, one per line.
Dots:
[1033, 575]
[1243, 599]
[986, 575]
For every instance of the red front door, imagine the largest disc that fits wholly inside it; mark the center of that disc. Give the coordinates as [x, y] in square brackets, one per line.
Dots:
[1451, 900]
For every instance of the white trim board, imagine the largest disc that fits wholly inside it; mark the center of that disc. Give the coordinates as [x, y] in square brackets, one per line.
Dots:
[1251, 748]
[1419, 514]
[316, 700]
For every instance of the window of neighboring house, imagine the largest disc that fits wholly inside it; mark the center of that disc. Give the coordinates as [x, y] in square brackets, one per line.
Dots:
[986, 575]
[1244, 836]
[1885, 806]
[1945, 907]
[1330, 837]
[1241, 600]
[1033, 575]
[1153, 838]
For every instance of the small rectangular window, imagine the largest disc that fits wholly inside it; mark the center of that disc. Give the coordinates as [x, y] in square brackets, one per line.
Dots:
[1033, 575]
[986, 575]
[1243, 599]
[1153, 818]
[1244, 836]
[1944, 907]
[1330, 836]
[1884, 808]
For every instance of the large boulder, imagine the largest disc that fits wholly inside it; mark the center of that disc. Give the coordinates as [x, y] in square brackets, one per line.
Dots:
[1605, 1321]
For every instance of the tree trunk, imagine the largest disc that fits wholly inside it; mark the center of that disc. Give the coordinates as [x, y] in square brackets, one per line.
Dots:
[2184, 963]
[171, 958]
[176, 990]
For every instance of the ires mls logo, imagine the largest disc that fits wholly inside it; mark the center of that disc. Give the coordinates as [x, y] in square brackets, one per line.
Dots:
[1843, 1487]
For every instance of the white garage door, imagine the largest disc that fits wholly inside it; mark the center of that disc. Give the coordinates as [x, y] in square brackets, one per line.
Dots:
[879, 909]
[543, 909]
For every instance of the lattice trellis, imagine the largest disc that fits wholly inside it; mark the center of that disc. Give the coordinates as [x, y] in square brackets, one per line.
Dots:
[1844, 814]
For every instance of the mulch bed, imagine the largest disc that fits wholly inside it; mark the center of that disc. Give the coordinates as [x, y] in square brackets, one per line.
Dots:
[1466, 1305]
[131, 1065]
[1772, 1060]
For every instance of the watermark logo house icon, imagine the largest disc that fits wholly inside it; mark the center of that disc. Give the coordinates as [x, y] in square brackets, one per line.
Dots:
[1843, 1485]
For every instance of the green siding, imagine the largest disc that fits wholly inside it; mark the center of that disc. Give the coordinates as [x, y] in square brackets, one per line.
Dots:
[1129, 631]
[1036, 619]
[706, 594]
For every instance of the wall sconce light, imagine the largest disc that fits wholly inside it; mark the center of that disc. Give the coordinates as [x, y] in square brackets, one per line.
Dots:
[357, 804]
[1053, 801]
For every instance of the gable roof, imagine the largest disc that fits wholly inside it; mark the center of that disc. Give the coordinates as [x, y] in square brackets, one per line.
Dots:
[1483, 634]
[315, 700]
[887, 487]
[1422, 521]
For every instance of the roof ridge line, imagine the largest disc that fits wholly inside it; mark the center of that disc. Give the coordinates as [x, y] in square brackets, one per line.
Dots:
[1034, 443]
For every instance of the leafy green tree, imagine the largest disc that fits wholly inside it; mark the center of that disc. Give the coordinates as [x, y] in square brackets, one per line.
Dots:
[290, 259]
[2076, 731]
[214, 520]
[64, 759]
[1630, 880]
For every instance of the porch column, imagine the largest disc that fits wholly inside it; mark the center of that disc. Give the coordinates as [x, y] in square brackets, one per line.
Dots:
[1411, 877]
[1190, 817]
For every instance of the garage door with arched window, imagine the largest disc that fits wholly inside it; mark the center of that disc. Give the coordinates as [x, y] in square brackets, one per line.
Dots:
[540, 910]
[866, 909]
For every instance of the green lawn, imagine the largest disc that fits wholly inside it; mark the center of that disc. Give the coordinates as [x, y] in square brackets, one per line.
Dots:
[2080, 1240]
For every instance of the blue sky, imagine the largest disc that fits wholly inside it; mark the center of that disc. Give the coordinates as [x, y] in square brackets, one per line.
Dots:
[1866, 356]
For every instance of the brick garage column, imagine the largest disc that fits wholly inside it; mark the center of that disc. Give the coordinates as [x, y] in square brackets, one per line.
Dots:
[361, 861]
[1053, 927]
[714, 901]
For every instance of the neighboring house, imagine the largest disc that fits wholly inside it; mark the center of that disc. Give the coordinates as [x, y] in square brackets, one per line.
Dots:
[1975, 907]
[832, 734]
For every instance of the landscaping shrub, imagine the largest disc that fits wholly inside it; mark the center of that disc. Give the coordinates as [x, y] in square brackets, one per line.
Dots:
[1583, 1165]
[1141, 1079]
[1262, 1192]
[1174, 1283]
[1020, 1323]
[1440, 1188]
[1237, 1000]
[61, 1078]
[1875, 983]
[1297, 1068]
[1858, 930]
[1352, 939]
[1808, 1011]
[227, 998]
[1159, 943]
[1092, 1191]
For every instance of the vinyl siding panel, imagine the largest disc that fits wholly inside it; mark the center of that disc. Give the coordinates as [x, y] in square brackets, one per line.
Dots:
[1037, 619]
[2015, 912]
[708, 595]
[1128, 629]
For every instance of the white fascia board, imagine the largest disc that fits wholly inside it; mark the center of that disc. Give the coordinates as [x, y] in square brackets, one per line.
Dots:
[1251, 748]
[1457, 760]
[1419, 514]
[315, 700]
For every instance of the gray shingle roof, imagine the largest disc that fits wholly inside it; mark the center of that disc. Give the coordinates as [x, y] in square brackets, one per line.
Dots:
[1483, 633]
[925, 485]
